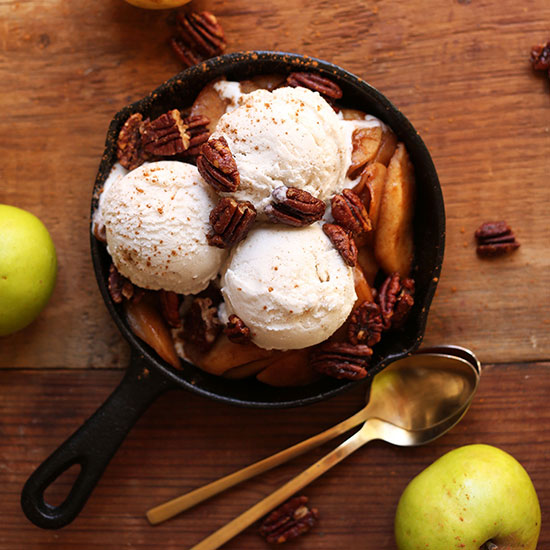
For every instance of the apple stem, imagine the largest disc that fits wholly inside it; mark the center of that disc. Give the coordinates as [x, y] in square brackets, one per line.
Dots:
[489, 546]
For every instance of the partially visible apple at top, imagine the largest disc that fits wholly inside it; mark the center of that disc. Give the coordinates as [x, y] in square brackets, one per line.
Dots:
[28, 268]
[473, 497]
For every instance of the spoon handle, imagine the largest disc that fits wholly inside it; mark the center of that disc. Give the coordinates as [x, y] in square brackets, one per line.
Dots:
[234, 527]
[169, 509]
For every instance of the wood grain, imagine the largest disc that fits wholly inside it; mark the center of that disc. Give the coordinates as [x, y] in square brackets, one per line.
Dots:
[459, 70]
[184, 441]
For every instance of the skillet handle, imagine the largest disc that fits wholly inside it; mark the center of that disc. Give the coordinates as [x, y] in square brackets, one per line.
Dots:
[92, 446]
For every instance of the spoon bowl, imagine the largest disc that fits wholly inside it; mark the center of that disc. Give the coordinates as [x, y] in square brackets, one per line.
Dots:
[426, 393]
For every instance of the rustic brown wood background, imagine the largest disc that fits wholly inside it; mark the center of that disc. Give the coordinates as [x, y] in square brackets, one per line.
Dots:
[459, 70]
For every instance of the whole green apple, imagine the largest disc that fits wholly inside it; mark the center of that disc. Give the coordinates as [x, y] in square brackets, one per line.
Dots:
[473, 497]
[28, 268]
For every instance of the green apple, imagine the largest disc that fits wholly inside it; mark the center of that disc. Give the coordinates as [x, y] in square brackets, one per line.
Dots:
[28, 268]
[473, 497]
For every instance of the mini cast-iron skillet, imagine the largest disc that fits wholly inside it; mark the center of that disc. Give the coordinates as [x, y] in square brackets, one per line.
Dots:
[147, 376]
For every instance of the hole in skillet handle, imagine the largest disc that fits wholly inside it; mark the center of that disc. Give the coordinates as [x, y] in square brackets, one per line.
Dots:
[429, 225]
[57, 492]
[91, 447]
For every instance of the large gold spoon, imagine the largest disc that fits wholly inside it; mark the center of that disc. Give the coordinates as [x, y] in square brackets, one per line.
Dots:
[412, 401]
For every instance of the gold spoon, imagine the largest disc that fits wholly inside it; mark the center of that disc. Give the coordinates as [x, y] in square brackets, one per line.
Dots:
[427, 392]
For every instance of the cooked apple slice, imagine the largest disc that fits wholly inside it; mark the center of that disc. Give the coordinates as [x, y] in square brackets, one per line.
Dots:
[209, 104]
[365, 144]
[362, 287]
[369, 189]
[371, 184]
[352, 114]
[368, 264]
[248, 369]
[225, 355]
[291, 368]
[393, 240]
[264, 81]
[364, 293]
[387, 147]
[148, 324]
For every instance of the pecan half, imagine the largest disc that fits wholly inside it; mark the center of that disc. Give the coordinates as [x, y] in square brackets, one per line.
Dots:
[343, 241]
[185, 54]
[293, 206]
[315, 82]
[129, 151]
[202, 325]
[197, 129]
[540, 57]
[349, 211]
[166, 135]
[395, 298]
[236, 330]
[231, 221]
[495, 239]
[289, 521]
[170, 307]
[342, 360]
[217, 165]
[365, 324]
[201, 32]
[121, 288]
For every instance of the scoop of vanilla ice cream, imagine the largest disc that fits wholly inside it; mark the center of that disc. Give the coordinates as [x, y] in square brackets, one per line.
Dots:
[291, 137]
[156, 221]
[289, 285]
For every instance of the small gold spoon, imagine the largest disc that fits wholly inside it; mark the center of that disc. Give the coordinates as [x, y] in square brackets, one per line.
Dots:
[421, 397]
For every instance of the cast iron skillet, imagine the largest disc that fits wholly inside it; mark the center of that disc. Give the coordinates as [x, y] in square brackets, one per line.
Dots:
[147, 376]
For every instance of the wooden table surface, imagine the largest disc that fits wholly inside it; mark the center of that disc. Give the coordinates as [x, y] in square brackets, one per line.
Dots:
[459, 70]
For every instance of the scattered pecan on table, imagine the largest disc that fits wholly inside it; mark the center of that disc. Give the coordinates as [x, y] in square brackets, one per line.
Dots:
[341, 360]
[166, 135]
[540, 57]
[199, 36]
[495, 239]
[343, 241]
[121, 288]
[170, 307]
[349, 211]
[365, 324]
[201, 324]
[289, 521]
[293, 206]
[217, 165]
[185, 54]
[236, 330]
[395, 298]
[231, 221]
[326, 87]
